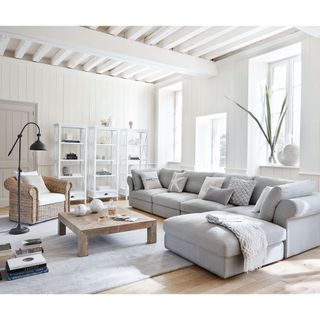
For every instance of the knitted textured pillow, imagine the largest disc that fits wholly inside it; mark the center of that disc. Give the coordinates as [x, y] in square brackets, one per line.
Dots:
[242, 191]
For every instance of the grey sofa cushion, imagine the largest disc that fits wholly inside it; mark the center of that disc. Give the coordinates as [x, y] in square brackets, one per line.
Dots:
[146, 195]
[172, 199]
[261, 183]
[244, 210]
[150, 180]
[199, 205]
[137, 182]
[242, 191]
[283, 192]
[165, 176]
[194, 228]
[195, 180]
[208, 183]
[177, 182]
[218, 195]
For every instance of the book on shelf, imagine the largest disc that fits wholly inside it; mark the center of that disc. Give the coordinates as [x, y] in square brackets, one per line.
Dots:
[31, 243]
[29, 251]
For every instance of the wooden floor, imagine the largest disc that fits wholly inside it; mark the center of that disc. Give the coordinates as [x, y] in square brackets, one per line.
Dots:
[298, 274]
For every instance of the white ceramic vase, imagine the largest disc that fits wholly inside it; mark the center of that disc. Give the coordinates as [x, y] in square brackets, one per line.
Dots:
[289, 156]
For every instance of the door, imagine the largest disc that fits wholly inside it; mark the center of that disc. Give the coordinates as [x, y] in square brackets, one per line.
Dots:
[13, 116]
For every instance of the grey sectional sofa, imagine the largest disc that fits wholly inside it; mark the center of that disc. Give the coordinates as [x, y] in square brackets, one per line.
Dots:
[293, 228]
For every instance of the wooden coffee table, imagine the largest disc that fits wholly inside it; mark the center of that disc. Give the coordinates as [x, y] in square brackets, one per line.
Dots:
[90, 225]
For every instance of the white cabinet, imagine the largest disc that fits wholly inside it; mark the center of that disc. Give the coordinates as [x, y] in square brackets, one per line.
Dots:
[71, 157]
[103, 159]
[133, 155]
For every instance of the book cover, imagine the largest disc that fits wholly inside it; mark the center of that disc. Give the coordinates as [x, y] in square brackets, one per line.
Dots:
[29, 251]
[15, 276]
[30, 242]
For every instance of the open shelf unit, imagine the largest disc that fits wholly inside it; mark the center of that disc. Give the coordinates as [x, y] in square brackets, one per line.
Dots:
[71, 138]
[103, 158]
[133, 155]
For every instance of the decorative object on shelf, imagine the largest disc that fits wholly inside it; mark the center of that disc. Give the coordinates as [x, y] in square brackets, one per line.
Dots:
[68, 136]
[71, 156]
[271, 137]
[103, 172]
[96, 205]
[66, 171]
[134, 157]
[130, 124]
[107, 122]
[289, 156]
[80, 210]
[36, 146]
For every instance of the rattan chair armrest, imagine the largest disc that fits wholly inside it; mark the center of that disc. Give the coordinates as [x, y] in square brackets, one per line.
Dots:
[57, 185]
[11, 184]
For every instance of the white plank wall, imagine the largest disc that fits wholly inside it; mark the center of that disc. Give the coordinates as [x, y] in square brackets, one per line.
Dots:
[72, 96]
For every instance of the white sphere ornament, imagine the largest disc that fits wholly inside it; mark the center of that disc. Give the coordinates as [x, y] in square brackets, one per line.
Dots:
[96, 205]
[289, 156]
[80, 210]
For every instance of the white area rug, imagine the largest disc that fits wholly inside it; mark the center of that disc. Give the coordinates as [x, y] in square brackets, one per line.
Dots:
[113, 260]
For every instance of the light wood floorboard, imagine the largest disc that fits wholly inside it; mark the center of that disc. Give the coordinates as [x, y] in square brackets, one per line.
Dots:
[298, 274]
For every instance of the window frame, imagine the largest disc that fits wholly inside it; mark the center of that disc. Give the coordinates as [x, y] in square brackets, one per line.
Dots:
[289, 63]
[175, 128]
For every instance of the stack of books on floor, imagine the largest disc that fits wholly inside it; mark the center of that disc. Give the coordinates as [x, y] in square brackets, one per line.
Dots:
[5, 254]
[26, 266]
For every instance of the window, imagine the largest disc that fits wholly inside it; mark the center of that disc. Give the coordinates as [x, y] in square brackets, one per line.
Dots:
[177, 128]
[211, 142]
[285, 77]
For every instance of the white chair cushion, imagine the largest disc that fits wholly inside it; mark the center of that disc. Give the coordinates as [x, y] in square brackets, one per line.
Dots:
[36, 181]
[49, 198]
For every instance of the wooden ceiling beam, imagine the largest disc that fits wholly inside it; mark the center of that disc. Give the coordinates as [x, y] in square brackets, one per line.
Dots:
[159, 76]
[60, 56]
[109, 65]
[22, 48]
[244, 42]
[84, 40]
[146, 74]
[115, 30]
[77, 59]
[160, 34]
[133, 71]
[4, 40]
[121, 68]
[93, 62]
[237, 34]
[41, 52]
[136, 32]
[203, 38]
[182, 35]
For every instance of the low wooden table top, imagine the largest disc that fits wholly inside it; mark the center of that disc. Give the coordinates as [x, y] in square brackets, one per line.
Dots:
[90, 223]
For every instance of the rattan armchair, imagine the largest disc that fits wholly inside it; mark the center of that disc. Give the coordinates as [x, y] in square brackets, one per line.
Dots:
[31, 210]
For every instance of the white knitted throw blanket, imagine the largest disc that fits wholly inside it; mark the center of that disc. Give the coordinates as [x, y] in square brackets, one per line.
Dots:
[252, 239]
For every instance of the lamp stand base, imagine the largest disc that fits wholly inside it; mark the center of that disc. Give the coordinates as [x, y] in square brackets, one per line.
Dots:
[19, 230]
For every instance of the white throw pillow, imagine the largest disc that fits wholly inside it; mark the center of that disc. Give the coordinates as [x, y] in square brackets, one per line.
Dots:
[209, 182]
[26, 173]
[35, 181]
[261, 199]
[150, 180]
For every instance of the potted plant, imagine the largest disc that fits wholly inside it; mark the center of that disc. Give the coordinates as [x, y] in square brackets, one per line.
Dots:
[270, 134]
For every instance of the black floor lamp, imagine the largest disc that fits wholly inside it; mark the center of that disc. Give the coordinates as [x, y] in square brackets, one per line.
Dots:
[36, 146]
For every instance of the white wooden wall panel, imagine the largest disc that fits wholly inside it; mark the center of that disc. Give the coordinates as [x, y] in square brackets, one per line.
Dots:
[64, 95]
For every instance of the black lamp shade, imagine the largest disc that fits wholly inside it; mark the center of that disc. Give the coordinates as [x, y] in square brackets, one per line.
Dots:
[38, 145]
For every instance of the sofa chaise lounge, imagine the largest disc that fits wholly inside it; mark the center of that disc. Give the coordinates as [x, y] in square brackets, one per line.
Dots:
[294, 226]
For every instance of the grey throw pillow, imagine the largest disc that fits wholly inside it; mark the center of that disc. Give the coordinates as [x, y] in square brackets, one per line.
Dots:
[150, 180]
[218, 195]
[242, 191]
[178, 182]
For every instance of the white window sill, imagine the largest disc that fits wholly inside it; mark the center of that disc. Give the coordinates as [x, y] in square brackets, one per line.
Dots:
[278, 166]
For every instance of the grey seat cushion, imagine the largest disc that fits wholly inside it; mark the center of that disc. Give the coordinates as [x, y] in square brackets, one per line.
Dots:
[199, 205]
[195, 229]
[146, 195]
[261, 183]
[244, 210]
[172, 200]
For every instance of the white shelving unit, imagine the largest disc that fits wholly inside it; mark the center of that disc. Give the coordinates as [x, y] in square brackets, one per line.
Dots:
[133, 155]
[103, 162]
[70, 138]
